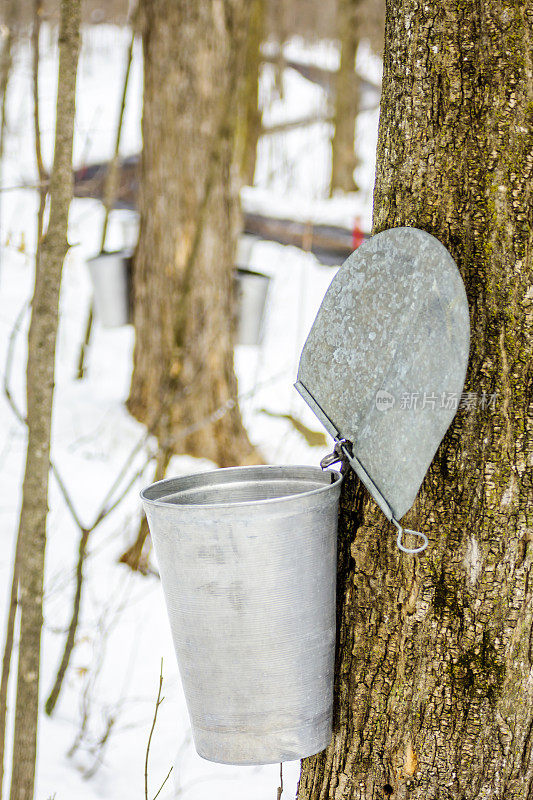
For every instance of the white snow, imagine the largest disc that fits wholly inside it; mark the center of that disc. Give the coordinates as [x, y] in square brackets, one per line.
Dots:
[123, 631]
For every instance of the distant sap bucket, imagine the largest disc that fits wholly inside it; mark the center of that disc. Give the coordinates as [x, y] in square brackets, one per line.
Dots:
[252, 292]
[111, 279]
[247, 557]
[245, 248]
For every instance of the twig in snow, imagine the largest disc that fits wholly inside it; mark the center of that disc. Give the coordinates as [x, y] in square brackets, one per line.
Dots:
[161, 787]
[157, 704]
[280, 787]
[95, 747]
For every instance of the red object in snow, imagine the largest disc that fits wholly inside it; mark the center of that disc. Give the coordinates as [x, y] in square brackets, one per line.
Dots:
[358, 236]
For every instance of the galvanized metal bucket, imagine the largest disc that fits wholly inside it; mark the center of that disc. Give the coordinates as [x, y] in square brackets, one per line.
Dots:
[111, 279]
[247, 557]
[252, 291]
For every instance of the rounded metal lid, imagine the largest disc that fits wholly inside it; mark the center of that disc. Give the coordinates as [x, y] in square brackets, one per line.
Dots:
[386, 357]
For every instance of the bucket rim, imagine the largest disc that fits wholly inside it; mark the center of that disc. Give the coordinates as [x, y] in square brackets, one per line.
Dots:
[243, 503]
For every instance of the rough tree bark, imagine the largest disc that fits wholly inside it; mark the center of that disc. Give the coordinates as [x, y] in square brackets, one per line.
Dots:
[434, 693]
[343, 158]
[40, 386]
[189, 220]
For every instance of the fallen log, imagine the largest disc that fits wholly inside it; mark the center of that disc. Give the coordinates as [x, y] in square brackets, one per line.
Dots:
[331, 244]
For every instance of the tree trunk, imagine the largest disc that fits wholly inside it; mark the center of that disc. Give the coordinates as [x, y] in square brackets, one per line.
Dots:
[343, 158]
[183, 383]
[249, 122]
[9, 36]
[6, 62]
[40, 386]
[434, 692]
[14, 593]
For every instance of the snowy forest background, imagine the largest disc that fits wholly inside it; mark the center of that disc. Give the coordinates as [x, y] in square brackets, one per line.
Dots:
[94, 743]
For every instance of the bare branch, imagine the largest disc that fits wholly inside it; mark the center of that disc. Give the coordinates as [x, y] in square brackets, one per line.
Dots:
[112, 174]
[66, 496]
[161, 787]
[69, 643]
[110, 191]
[157, 704]
[38, 10]
[82, 555]
[9, 361]
[123, 471]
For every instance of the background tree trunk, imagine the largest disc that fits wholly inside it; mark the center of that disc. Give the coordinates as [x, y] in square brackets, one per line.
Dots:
[434, 695]
[40, 387]
[343, 158]
[6, 61]
[249, 122]
[183, 267]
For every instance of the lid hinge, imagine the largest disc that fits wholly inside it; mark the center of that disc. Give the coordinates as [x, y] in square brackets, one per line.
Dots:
[343, 452]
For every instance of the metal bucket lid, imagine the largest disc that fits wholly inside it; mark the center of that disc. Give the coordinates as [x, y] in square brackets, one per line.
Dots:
[387, 350]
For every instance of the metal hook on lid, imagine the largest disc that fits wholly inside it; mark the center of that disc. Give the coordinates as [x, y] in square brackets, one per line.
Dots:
[399, 538]
[334, 457]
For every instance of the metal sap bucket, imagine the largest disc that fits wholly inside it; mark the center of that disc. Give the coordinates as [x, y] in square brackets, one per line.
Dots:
[247, 557]
[252, 291]
[111, 279]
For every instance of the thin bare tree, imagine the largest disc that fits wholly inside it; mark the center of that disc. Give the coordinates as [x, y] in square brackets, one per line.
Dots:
[13, 599]
[9, 35]
[39, 392]
[110, 191]
[6, 60]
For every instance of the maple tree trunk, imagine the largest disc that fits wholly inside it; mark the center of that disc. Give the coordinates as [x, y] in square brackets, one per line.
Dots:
[189, 222]
[39, 392]
[434, 674]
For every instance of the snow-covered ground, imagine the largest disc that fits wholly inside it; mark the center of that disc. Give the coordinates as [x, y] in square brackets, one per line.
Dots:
[112, 682]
